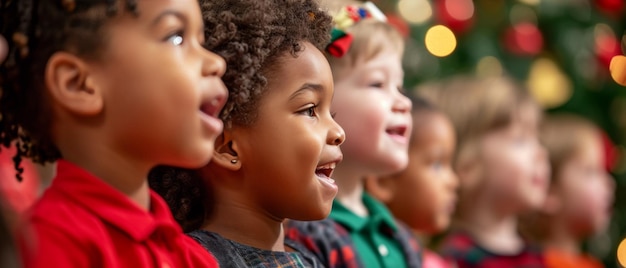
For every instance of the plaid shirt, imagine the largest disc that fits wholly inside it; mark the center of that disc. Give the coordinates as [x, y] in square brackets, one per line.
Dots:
[461, 249]
[332, 244]
[231, 254]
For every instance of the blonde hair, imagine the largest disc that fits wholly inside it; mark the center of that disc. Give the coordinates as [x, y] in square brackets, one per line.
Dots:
[477, 106]
[562, 135]
[369, 37]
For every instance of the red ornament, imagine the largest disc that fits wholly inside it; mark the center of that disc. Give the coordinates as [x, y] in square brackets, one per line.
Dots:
[614, 7]
[611, 154]
[400, 24]
[606, 47]
[524, 39]
[458, 15]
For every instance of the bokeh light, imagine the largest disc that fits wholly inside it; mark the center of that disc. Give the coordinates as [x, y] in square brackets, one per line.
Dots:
[440, 41]
[488, 66]
[460, 9]
[548, 84]
[621, 253]
[415, 11]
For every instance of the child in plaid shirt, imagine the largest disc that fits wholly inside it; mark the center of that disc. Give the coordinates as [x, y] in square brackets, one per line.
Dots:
[373, 110]
[280, 144]
[502, 169]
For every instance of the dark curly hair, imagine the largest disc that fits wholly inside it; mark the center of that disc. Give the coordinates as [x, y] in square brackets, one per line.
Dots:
[252, 36]
[35, 30]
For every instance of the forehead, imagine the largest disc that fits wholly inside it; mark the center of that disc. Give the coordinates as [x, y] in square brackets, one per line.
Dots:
[309, 64]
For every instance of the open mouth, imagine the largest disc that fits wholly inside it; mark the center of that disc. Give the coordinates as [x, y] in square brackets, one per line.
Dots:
[325, 171]
[396, 131]
[212, 107]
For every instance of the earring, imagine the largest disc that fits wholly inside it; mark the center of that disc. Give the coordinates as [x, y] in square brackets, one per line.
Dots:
[234, 161]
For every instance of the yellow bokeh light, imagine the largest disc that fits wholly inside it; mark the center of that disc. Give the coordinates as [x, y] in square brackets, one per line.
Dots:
[618, 69]
[548, 84]
[531, 2]
[440, 41]
[621, 253]
[415, 11]
[489, 66]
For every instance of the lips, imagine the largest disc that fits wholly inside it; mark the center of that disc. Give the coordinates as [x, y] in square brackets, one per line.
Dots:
[212, 106]
[326, 170]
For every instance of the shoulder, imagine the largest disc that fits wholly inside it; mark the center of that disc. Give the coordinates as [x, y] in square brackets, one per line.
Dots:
[224, 252]
[461, 249]
[326, 239]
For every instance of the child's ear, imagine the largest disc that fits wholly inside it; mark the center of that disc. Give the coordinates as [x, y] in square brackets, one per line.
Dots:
[380, 188]
[225, 154]
[71, 85]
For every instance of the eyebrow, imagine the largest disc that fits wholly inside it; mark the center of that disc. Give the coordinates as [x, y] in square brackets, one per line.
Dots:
[167, 13]
[307, 87]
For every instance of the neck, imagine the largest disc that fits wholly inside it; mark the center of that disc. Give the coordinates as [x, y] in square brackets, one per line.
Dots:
[244, 223]
[350, 184]
[561, 239]
[127, 175]
[494, 230]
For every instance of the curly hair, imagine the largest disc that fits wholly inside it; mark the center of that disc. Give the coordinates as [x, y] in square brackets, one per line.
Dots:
[35, 30]
[252, 36]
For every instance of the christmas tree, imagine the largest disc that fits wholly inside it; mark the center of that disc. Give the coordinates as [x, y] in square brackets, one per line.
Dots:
[561, 49]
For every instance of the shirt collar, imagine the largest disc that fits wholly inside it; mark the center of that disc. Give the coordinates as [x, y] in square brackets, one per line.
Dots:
[378, 213]
[111, 205]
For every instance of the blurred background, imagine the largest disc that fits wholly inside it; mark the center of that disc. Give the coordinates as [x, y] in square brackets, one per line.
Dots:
[561, 49]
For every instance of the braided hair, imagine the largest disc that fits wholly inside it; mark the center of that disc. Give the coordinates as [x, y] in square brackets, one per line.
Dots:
[35, 30]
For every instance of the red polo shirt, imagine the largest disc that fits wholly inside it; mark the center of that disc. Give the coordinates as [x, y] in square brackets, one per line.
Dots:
[80, 221]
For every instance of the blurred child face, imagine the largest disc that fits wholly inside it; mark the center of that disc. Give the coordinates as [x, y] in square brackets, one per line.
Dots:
[293, 146]
[585, 189]
[515, 165]
[375, 114]
[162, 90]
[424, 194]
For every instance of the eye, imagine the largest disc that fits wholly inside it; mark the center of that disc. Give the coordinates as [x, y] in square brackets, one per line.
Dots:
[309, 111]
[376, 84]
[176, 39]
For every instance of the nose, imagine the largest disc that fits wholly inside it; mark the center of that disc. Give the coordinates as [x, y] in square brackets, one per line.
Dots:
[401, 104]
[336, 134]
[213, 64]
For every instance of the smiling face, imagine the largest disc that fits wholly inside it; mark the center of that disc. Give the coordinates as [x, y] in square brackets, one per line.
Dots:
[375, 114]
[291, 149]
[162, 90]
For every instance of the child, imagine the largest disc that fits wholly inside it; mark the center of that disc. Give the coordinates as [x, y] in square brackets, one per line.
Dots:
[110, 89]
[376, 116]
[280, 145]
[581, 191]
[423, 195]
[502, 170]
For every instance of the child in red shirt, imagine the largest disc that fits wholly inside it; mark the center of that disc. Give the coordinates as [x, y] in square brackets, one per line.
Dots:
[110, 89]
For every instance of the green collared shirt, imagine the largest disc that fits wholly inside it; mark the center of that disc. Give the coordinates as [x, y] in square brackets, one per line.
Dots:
[375, 247]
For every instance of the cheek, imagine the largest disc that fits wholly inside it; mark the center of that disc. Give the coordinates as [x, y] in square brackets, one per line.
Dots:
[363, 122]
